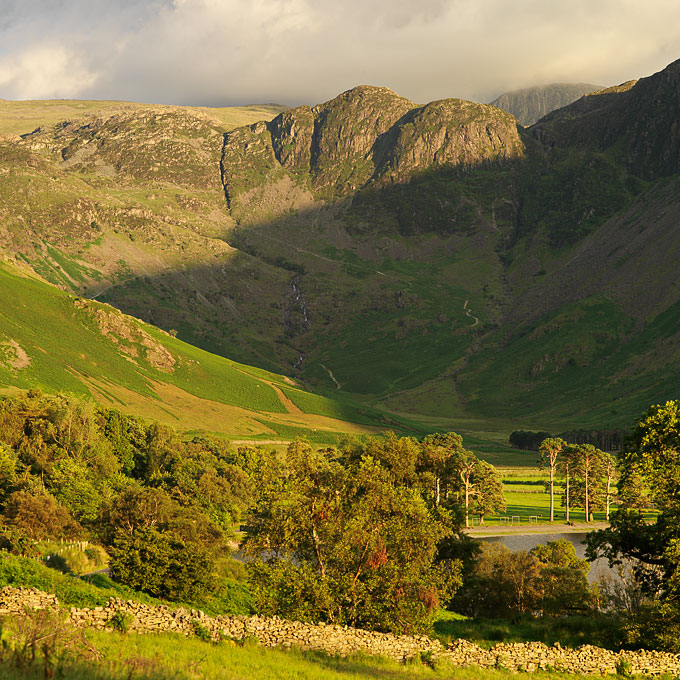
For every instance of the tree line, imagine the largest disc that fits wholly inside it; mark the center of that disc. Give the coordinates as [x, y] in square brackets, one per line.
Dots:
[607, 440]
[367, 533]
[586, 476]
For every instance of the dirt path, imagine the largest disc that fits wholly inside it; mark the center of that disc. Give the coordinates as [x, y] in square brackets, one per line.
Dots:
[287, 403]
[332, 376]
[469, 314]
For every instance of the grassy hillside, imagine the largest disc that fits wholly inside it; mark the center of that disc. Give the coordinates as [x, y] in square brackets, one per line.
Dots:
[56, 341]
[22, 117]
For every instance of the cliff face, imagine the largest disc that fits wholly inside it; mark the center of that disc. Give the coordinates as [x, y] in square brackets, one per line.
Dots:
[347, 129]
[531, 104]
[365, 135]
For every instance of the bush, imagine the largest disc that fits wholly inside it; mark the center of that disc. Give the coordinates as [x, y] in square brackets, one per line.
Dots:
[39, 516]
[162, 564]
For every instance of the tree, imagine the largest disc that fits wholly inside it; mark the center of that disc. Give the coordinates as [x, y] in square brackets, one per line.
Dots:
[159, 546]
[653, 456]
[437, 459]
[633, 488]
[567, 465]
[655, 446]
[505, 582]
[563, 579]
[549, 580]
[39, 516]
[550, 450]
[348, 543]
[76, 490]
[163, 564]
[8, 471]
[463, 464]
[587, 467]
[610, 468]
[488, 495]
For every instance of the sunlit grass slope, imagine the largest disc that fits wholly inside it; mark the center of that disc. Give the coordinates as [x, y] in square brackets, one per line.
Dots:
[113, 656]
[55, 341]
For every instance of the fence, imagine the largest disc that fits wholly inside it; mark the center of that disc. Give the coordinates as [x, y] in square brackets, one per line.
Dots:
[518, 519]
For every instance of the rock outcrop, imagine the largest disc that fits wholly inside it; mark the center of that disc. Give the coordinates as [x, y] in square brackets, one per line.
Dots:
[367, 135]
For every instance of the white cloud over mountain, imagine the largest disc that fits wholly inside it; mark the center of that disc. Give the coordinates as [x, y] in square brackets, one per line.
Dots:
[294, 51]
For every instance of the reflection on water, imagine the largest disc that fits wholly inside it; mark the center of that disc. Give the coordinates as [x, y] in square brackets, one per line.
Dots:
[529, 541]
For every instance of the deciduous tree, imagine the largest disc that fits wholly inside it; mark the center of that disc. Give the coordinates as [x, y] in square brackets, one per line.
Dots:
[550, 450]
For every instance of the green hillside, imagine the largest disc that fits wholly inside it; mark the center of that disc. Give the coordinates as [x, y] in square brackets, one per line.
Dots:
[55, 341]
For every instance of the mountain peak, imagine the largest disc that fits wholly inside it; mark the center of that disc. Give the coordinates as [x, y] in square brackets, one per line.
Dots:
[363, 135]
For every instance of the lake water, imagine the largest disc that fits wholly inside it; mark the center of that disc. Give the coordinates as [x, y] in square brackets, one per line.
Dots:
[529, 541]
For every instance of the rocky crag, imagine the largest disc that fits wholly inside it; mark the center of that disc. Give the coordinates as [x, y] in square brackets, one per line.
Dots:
[365, 135]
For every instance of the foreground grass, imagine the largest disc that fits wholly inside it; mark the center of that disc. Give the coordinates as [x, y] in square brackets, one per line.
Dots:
[40, 648]
[570, 631]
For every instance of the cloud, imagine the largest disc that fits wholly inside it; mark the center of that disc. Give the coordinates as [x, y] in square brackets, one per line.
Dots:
[306, 51]
[43, 72]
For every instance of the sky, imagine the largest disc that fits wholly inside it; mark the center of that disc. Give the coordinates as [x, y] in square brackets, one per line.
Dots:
[232, 52]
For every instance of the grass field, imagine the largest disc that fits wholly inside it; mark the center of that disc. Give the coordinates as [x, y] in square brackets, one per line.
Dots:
[571, 631]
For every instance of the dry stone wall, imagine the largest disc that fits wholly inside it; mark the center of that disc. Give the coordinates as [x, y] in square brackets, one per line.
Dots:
[343, 640]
